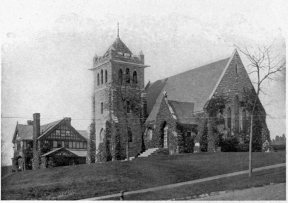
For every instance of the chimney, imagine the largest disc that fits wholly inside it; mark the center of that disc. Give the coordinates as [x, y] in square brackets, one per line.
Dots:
[67, 120]
[36, 128]
[36, 134]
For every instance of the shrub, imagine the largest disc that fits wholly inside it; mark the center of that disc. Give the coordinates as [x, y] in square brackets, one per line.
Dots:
[279, 147]
[243, 147]
[229, 144]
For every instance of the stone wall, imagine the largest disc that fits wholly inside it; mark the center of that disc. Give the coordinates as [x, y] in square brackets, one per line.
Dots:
[179, 140]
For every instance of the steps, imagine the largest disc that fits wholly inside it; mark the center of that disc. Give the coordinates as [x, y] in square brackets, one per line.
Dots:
[148, 152]
[155, 152]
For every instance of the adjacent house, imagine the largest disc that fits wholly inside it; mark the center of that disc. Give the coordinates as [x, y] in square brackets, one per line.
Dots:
[53, 144]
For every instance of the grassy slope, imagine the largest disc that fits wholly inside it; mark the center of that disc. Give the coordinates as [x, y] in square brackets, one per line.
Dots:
[83, 181]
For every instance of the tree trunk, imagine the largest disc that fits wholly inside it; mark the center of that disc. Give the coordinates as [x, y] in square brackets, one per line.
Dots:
[250, 147]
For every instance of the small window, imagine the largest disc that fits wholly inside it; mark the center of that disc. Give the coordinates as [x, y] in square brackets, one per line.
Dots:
[101, 135]
[77, 146]
[98, 80]
[66, 144]
[84, 145]
[74, 145]
[101, 107]
[81, 145]
[236, 68]
[150, 133]
[57, 132]
[106, 76]
[135, 77]
[127, 75]
[59, 144]
[120, 77]
[229, 120]
[54, 144]
[101, 76]
[70, 145]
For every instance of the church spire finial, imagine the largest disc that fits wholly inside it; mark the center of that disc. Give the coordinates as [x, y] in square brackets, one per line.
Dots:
[117, 30]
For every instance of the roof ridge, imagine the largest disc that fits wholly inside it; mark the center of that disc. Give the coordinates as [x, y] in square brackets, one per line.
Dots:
[51, 122]
[190, 70]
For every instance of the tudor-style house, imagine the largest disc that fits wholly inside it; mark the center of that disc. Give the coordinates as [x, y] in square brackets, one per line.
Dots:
[174, 109]
[53, 144]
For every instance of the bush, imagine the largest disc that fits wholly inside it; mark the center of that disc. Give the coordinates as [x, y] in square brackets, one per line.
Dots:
[229, 144]
[279, 147]
[243, 147]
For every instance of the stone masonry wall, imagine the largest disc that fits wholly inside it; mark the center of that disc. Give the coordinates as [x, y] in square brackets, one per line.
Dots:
[231, 85]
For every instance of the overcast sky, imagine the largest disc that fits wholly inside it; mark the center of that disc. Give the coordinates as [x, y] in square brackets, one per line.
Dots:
[48, 48]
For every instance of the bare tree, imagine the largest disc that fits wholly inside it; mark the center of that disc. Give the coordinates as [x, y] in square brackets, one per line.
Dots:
[266, 66]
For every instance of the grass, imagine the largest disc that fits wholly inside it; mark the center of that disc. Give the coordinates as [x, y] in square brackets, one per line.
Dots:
[84, 181]
[277, 175]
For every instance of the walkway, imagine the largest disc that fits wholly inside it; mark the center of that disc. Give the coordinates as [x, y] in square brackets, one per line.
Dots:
[153, 189]
[269, 192]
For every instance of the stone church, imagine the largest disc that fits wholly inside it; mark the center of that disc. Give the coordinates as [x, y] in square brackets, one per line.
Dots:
[170, 114]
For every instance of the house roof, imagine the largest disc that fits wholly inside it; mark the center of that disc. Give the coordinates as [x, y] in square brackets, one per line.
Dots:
[183, 111]
[25, 132]
[119, 46]
[48, 126]
[84, 133]
[82, 153]
[193, 86]
[76, 153]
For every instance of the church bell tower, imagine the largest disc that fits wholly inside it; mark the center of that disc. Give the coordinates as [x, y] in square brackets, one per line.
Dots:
[118, 76]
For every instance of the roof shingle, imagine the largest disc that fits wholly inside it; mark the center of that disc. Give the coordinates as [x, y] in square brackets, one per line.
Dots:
[193, 86]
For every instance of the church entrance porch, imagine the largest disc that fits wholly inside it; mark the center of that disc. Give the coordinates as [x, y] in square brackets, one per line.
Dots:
[61, 157]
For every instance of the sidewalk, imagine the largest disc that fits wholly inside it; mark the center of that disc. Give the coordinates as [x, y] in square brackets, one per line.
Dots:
[186, 183]
[268, 192]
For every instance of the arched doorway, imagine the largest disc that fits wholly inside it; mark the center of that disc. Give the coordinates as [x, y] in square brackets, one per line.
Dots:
[164, 134]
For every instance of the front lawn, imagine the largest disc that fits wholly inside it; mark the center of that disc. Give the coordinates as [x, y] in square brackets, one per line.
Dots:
[84, 181]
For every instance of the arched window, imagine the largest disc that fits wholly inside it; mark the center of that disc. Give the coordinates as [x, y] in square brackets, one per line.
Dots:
[236, 108]
[244, 121]
[135, 77]
[106, 76]
[150, 134]
[101, 76]
[120, 76]
[101, 137]
[98, 81]
[127, 75]
[229, 118]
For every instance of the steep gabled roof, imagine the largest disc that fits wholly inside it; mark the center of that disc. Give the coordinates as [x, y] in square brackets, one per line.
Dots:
[183, 111]
[119, 46]
[48, 126]
[193, 86]
[84, 133]
[58, 150]
[24, 132]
